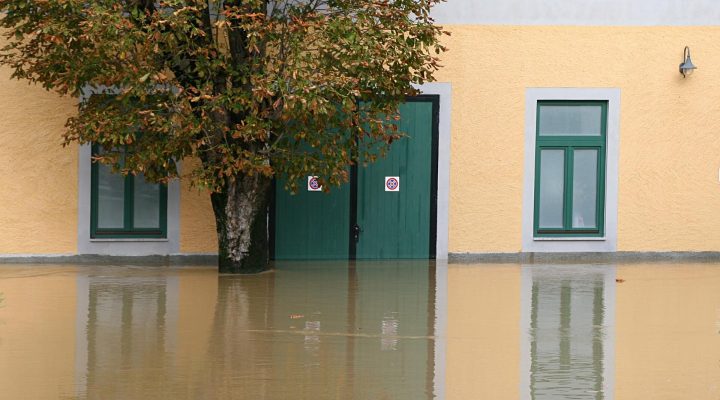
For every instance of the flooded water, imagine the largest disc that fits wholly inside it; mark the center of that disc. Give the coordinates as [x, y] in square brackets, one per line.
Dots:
[387, 330]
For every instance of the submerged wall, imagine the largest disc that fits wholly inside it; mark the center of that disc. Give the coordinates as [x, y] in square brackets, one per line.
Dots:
[38, 177]
[669, 149]
[669, 152]
[39, 180]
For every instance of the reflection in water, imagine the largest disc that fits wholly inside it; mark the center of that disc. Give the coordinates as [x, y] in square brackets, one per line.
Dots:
[305, 331]
[126, 328]
[667, 344]
[568, 330]
[388, 330]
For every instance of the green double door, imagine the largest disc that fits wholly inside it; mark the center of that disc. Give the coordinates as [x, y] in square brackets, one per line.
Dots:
[387, 211]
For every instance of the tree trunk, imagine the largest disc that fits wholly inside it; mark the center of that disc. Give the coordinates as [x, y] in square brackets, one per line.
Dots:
[241, 212]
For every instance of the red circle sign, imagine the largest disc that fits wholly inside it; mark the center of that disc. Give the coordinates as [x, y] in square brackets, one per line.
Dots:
[392, 184]
[314, 184]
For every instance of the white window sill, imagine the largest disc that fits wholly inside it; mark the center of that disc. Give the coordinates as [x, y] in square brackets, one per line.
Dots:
[569, 239]
[130, 240]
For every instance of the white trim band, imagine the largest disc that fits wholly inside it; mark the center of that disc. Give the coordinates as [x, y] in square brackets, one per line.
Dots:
[609, 244]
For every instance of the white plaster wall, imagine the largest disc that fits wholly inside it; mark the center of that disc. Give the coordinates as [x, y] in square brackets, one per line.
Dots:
[579, 12]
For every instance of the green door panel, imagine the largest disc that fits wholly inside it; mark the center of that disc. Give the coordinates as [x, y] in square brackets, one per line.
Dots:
[397, 224]
[311, 225]
[394, 225]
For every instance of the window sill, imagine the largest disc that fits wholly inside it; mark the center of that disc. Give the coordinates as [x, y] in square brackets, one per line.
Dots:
[569, 239]
[130, 240]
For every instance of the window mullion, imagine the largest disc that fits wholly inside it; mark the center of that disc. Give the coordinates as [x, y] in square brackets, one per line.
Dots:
[163, 209]
[93, 195]
[600, 200]
[128, 203]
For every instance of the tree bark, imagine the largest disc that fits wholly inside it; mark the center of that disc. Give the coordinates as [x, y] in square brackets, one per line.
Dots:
[241, 218]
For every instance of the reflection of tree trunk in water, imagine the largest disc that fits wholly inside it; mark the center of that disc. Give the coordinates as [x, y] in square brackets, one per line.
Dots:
[233, 352]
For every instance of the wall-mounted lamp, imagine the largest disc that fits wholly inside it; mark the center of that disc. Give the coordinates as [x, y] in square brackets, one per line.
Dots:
[687, 67]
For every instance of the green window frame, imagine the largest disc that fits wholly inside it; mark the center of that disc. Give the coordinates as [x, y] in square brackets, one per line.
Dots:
[570, 143]
[128, 230]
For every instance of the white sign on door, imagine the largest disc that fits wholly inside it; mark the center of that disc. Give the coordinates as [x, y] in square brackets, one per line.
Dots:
[392, 183]
[314, 184]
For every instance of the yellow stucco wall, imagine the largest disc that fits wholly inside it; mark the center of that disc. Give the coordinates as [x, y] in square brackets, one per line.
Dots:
[38, 177]
[669, 128]
[669, 132]
[669, 146]
[197, 222]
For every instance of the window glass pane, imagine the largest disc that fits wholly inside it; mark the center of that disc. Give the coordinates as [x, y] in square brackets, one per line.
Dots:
[552, 185]
[147, 203]
[584, 213]
[557, 120]
[111, 189]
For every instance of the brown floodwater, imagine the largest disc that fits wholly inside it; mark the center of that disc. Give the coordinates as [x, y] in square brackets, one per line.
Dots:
[365, 330]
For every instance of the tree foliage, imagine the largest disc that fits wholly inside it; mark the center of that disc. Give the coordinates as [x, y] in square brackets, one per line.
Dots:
[286, 88]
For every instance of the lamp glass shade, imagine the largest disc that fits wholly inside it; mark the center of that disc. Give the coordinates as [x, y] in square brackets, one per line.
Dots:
[687, 67]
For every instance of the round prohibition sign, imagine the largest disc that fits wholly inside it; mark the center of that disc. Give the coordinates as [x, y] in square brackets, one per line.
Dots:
[392, 184]
[314, 184]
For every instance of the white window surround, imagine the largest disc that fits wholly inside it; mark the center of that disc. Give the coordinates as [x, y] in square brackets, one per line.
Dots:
[444, 91]
[123, 246]
[572, 244]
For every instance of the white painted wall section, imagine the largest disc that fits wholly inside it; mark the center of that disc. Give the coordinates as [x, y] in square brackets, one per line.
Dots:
[579, 12]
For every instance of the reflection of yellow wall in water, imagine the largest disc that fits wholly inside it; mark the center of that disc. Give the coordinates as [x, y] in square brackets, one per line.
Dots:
[483, 357]
[37, 334]
[197, 298]
[667, 339]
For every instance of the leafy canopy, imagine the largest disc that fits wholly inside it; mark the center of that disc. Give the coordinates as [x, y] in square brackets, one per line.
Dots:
[248, 87]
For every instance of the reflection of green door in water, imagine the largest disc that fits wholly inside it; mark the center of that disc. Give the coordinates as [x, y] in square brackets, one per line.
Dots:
[393, 224]
[397, 224]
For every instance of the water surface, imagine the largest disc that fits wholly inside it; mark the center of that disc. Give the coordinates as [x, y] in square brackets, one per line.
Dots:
[380, 330]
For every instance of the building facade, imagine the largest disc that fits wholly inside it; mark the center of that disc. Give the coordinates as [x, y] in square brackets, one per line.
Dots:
[561, 127]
